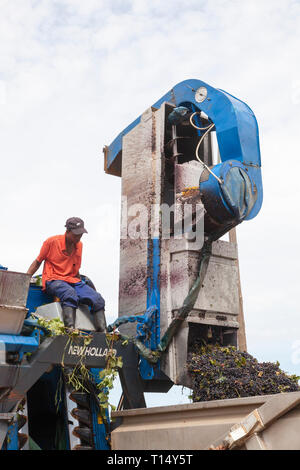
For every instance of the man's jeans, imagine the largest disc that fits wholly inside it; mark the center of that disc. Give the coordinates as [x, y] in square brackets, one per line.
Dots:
[73, 294]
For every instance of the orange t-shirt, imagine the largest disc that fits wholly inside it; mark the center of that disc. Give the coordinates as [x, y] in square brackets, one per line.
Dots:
[59, 265]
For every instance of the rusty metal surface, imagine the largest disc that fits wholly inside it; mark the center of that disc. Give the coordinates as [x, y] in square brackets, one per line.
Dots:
[137, 192]
[14, 288]
[12, 319]
[13, 297]
[147, 180]
[217, 303]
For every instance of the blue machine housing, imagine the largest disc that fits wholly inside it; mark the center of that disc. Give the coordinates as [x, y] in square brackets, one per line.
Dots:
[235, 124]
[232, 201]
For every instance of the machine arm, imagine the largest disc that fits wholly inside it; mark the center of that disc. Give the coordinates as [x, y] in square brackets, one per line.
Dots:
[237, 135]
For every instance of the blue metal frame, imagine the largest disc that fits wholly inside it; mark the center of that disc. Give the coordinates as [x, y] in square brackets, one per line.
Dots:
[20, 344]
[12, 442]
[99, 430]
[153, 305]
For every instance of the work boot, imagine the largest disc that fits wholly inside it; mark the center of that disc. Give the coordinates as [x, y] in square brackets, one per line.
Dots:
[69, 315]
[99, 321]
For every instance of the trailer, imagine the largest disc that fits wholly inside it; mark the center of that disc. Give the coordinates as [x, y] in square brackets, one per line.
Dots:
[270, 422]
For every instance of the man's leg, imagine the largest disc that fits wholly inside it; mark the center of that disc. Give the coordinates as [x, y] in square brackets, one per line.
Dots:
[68, 299]
[88, 295]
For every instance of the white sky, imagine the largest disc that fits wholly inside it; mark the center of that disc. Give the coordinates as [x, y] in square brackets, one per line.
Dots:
[74, 73]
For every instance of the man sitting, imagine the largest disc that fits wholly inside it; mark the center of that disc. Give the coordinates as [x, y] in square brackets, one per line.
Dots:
[62, 260]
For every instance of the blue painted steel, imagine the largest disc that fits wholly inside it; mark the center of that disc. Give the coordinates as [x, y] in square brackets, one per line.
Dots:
[153, 288]
[3, 268]
[12, 442]
[235, 124]
[19, 344]
[144, 321]
[99, 429]
[153, 302]
[36, 298]
[234, 198]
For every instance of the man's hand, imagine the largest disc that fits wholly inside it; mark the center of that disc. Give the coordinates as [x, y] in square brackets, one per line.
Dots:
[33, 267]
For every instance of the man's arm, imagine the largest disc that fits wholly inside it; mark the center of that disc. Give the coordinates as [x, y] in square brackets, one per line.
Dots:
[42, 256]
[33, 267]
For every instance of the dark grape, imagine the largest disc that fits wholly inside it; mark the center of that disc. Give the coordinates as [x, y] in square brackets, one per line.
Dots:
[220, 372]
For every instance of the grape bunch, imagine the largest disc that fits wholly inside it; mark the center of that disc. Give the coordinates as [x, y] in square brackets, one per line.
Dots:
[220, 372]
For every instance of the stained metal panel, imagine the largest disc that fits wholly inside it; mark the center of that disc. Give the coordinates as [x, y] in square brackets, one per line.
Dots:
[84, 318]
[13, 296]
[218, 304]
[197, 426]
[14, 288]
